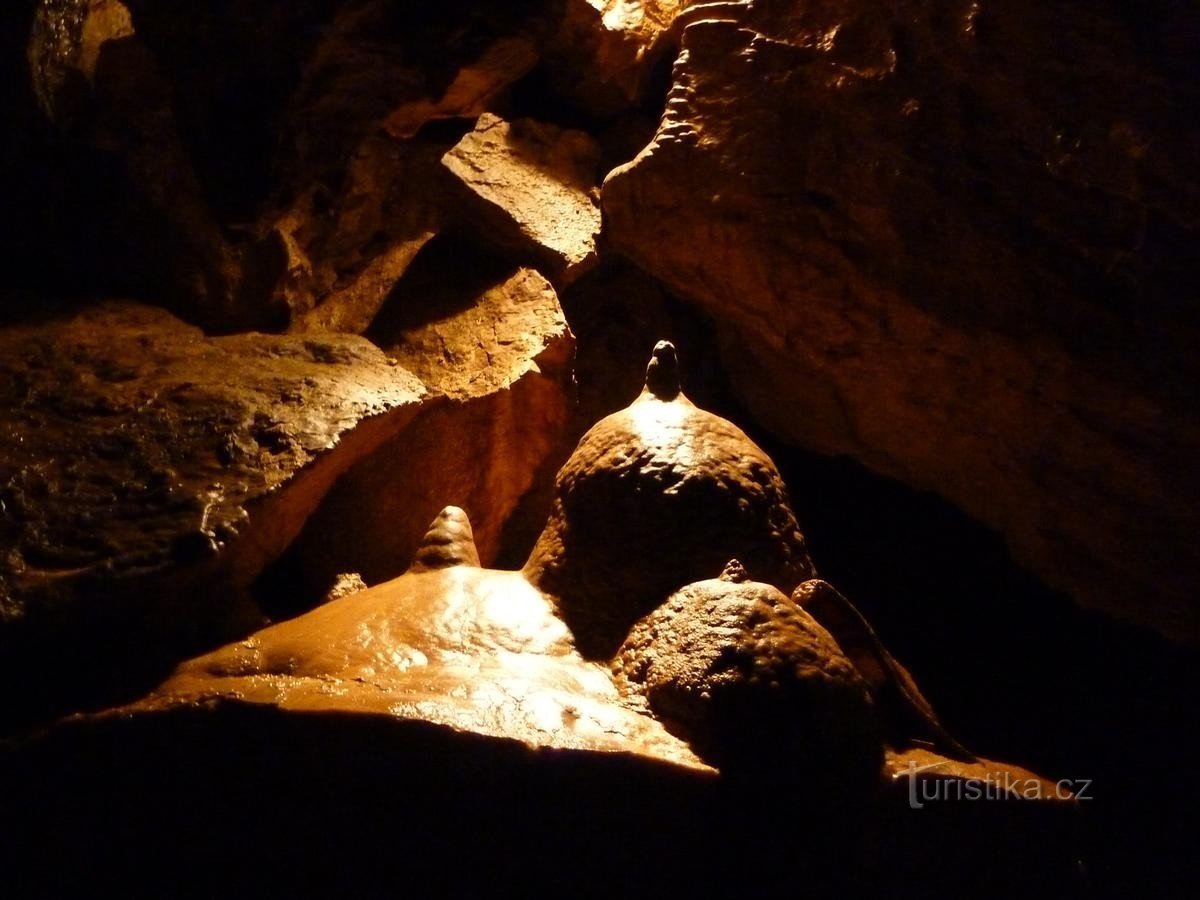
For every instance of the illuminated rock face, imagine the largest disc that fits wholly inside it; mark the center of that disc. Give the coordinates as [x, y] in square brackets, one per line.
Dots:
[152, 474]
[654, 497]
[534, 185]
[947, 243]
[726, 701]
[447, 643]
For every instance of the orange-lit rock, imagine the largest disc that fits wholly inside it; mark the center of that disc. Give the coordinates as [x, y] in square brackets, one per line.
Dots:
[947, 244]
[498, 355]
[755, 684]
[448, 643]
[533, 185]
[656, 496]
[150, 473]
[604, 51]
[341, 252]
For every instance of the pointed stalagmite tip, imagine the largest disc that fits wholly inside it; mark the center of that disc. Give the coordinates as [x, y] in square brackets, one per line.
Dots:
[662, 374]
[448, 542]
[734, 572]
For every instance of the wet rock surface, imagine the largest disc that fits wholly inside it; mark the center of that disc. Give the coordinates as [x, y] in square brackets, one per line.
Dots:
[491, 343]
[149, 473]
[447, 643]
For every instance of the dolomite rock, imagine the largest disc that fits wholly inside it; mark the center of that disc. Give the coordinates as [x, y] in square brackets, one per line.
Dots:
[653, 497]
[755, 684]
[949, 244]
[534, 185]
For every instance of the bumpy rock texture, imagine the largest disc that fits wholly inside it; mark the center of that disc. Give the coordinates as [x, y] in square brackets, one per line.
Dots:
[950, 240]
[654, 497]
[150, 474]
[752, 681]
[534, 185]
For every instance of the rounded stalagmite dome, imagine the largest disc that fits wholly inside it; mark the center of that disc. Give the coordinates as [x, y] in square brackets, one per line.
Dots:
[658, 495]
[755, 685]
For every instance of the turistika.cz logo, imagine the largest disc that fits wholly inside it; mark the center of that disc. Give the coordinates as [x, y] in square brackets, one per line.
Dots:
[994, 786]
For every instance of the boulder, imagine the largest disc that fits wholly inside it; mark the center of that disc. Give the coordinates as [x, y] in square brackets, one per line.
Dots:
[492, 345]
[604, 53]
[150, 474]
[532, 186]
[755, 684]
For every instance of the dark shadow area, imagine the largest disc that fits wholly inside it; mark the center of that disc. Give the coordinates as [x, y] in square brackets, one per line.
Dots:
[246, 800]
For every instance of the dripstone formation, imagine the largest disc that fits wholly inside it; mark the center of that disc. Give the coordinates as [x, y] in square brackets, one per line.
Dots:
[728, 682]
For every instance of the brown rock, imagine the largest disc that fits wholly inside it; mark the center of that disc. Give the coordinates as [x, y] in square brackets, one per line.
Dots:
[925, 778]
[493, 343]
[449, 643]
[344, 253]
[65, 41]
[618, 314]
[150, 473]
[533, 185]
[379, 65]
[490, 344]
[948, 245]
[652, 496]
[604, 51]
[755, 685]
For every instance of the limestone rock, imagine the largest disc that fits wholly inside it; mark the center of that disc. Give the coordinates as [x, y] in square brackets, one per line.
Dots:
[655, 496]
[449, 643]
[534, 185]
[492, 344]
[344, 251]
[379, 65]
[604, 52]
[754, 684]
[150, 473]
[948, 243]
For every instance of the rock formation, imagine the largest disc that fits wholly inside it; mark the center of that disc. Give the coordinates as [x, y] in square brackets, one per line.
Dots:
[283, 278]
[948, 264]
[654, 497]
[755, 683]
[152, 474]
